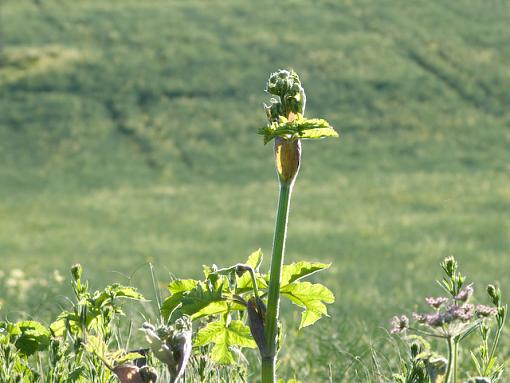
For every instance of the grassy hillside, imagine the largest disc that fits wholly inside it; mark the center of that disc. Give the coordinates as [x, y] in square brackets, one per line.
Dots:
[127, 134]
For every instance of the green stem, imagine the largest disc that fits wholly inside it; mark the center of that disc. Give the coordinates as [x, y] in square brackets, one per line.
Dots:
[455, 354]
[451, 371]
[273, 305]
[493, 348]
[450, 361]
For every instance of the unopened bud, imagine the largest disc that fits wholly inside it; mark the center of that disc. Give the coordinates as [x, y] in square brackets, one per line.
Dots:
[449, 265]
[287, 159]
[495, 294]
[415, 349]
[279, 82]
[76, 271]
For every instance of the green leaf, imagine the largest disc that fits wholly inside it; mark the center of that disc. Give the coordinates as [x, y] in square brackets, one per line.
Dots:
[32, 337]
[299, 270]
[255, 259]
[96, 345]
[178, 289]
[195, 303]
[116, 291]
[244, 283]
[311, 297]
[318, 133]
[64, 320]
[170, 304]
[300, 127]
[225, 338]
[182, 285]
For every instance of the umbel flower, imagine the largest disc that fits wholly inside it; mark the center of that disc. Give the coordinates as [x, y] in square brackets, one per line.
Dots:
[453, 318]
[399, 324]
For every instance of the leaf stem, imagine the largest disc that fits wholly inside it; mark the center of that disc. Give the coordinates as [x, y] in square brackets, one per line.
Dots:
[273, 307]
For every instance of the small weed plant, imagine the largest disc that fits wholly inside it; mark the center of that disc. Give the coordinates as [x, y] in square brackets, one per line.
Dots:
[454, 320]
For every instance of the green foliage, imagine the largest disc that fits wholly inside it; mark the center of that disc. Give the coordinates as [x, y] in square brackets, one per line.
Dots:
[299, 127]
[226, 292]
[425, 170]
[31, 336]
[311, 297]
[298, 270]
[226, 335]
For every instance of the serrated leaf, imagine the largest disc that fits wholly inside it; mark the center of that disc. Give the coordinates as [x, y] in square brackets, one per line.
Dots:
[116, 291]
[195, 303]
[311, 297]
[318, 133]
[96, 345]
[300, 127]
[170, 304]
[255, 259]
[32, 336]
[182, 285]
[64, 319]
[212, 308]
[298, 270]
[225, 337]
[244, 283]
[178, 288]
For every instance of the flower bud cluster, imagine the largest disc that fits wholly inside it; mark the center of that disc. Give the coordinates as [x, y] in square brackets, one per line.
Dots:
[291, 95]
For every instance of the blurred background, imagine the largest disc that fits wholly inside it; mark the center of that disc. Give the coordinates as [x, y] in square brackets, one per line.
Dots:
[128, 136]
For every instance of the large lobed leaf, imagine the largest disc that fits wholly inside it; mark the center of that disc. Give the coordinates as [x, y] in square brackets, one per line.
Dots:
[300, 127]
[298, 270]
[31, 336]
[225, 337]
[194, 298]
[311, 297]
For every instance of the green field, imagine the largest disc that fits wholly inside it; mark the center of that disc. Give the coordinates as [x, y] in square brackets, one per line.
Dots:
[128, 135]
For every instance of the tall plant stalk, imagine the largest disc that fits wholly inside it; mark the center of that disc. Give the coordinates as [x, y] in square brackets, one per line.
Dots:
[273, 306]
[287, 127]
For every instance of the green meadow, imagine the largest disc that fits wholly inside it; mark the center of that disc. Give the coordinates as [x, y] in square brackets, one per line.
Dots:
[128, 136]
